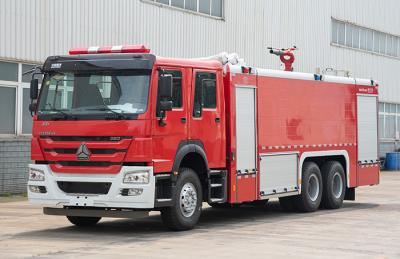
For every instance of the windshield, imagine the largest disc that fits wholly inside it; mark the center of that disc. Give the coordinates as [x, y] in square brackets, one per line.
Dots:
[100, 93]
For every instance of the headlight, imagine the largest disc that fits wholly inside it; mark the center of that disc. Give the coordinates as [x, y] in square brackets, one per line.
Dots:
[36, 174]
[140, 177]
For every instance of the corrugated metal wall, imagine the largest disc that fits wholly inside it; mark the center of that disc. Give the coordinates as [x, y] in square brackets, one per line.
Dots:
[14, 157]
[30, 30]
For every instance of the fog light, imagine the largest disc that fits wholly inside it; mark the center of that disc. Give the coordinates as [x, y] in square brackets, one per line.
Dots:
[131, 191]
[36, 174]
[37, 189]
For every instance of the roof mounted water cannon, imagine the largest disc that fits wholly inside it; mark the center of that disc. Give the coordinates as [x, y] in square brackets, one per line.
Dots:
[286, 56]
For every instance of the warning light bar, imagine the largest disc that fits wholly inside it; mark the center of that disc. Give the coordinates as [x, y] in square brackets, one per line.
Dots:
[110, 49]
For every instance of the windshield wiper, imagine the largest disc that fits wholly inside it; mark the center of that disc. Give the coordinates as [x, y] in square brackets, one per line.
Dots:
[64, 114]
[116, 115]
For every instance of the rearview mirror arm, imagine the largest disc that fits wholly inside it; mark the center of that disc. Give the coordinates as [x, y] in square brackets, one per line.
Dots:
[162, 122]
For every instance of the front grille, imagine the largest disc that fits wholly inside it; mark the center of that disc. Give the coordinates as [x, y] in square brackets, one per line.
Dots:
[85, 138]
[97, 151]
[84, 163]
[105, 154]
[84, 187]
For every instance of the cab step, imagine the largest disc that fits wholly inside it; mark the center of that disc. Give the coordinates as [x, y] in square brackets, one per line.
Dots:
[217, 189]
[213, 185]
[217, 200]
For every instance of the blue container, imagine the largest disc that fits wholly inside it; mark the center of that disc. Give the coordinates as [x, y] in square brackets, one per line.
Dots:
[392, 161]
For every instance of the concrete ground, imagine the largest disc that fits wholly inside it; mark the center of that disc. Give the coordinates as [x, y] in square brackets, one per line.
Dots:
[367, 228]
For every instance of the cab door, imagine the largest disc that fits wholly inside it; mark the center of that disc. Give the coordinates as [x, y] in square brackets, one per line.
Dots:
[207, 124]
[170, 131]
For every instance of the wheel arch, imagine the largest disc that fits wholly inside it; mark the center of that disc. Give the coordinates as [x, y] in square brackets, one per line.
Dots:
[194, 151]
[320, 157]
[192, 155]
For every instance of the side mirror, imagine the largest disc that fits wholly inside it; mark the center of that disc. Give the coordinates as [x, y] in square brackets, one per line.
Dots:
[164, 96]
[165, 92]
[34, 89]
[165, 86]
[166, 105]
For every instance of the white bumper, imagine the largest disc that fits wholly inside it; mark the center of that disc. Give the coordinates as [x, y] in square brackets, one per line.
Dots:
[113, 199]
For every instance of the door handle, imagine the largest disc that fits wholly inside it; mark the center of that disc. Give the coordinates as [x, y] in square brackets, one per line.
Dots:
[183, 120]
[217, 119]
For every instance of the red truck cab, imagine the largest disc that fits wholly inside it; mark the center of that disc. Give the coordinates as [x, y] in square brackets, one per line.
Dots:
[104, 136]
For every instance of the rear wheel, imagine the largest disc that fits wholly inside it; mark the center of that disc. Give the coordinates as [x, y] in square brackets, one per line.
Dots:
[311, 188]
[83, 221]
[186, 210]
[334, 185]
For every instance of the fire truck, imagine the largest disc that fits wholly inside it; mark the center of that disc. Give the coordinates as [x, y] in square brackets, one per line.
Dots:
[119, 132]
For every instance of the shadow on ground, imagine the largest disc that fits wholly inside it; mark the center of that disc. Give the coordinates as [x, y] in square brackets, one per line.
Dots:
[152, 228]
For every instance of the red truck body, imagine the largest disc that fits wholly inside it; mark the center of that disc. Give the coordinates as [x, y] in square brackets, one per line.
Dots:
[251, 143]
[296, 113]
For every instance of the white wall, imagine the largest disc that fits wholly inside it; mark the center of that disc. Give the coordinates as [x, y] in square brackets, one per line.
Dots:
[30, 30]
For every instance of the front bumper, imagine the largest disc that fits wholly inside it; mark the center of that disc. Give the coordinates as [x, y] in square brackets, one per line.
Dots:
[94, 212]
[54, 196]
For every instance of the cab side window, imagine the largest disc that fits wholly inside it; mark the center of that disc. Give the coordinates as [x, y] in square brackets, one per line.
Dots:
[176, 90]
[205, 95]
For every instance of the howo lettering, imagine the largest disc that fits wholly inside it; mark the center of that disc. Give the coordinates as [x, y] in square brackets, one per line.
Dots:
[132, 132]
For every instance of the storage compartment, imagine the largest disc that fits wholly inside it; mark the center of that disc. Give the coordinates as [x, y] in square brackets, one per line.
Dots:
[246, 167]
[367, 129]
[278, 173]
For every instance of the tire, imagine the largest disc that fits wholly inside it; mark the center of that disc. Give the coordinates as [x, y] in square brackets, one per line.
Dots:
[182, 216]
[334, 182]
[287, 203]
[311, 188]
[83, 221]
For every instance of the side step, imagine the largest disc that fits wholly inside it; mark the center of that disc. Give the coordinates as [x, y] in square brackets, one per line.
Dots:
[217, 189]
[165, 188]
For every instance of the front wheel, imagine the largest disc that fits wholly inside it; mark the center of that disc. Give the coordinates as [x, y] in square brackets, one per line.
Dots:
[187, 202]
[83, 221]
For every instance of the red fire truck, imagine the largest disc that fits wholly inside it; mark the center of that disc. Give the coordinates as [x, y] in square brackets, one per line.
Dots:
[119, 132]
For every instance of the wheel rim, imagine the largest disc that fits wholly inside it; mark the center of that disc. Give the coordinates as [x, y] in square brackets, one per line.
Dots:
[313, 188]
[188, 199]
[337, 185]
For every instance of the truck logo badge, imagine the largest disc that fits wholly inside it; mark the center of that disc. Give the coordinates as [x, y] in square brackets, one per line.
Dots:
[83, 152]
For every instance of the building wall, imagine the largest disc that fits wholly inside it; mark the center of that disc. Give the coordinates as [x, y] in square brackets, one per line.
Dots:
[31, 30]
